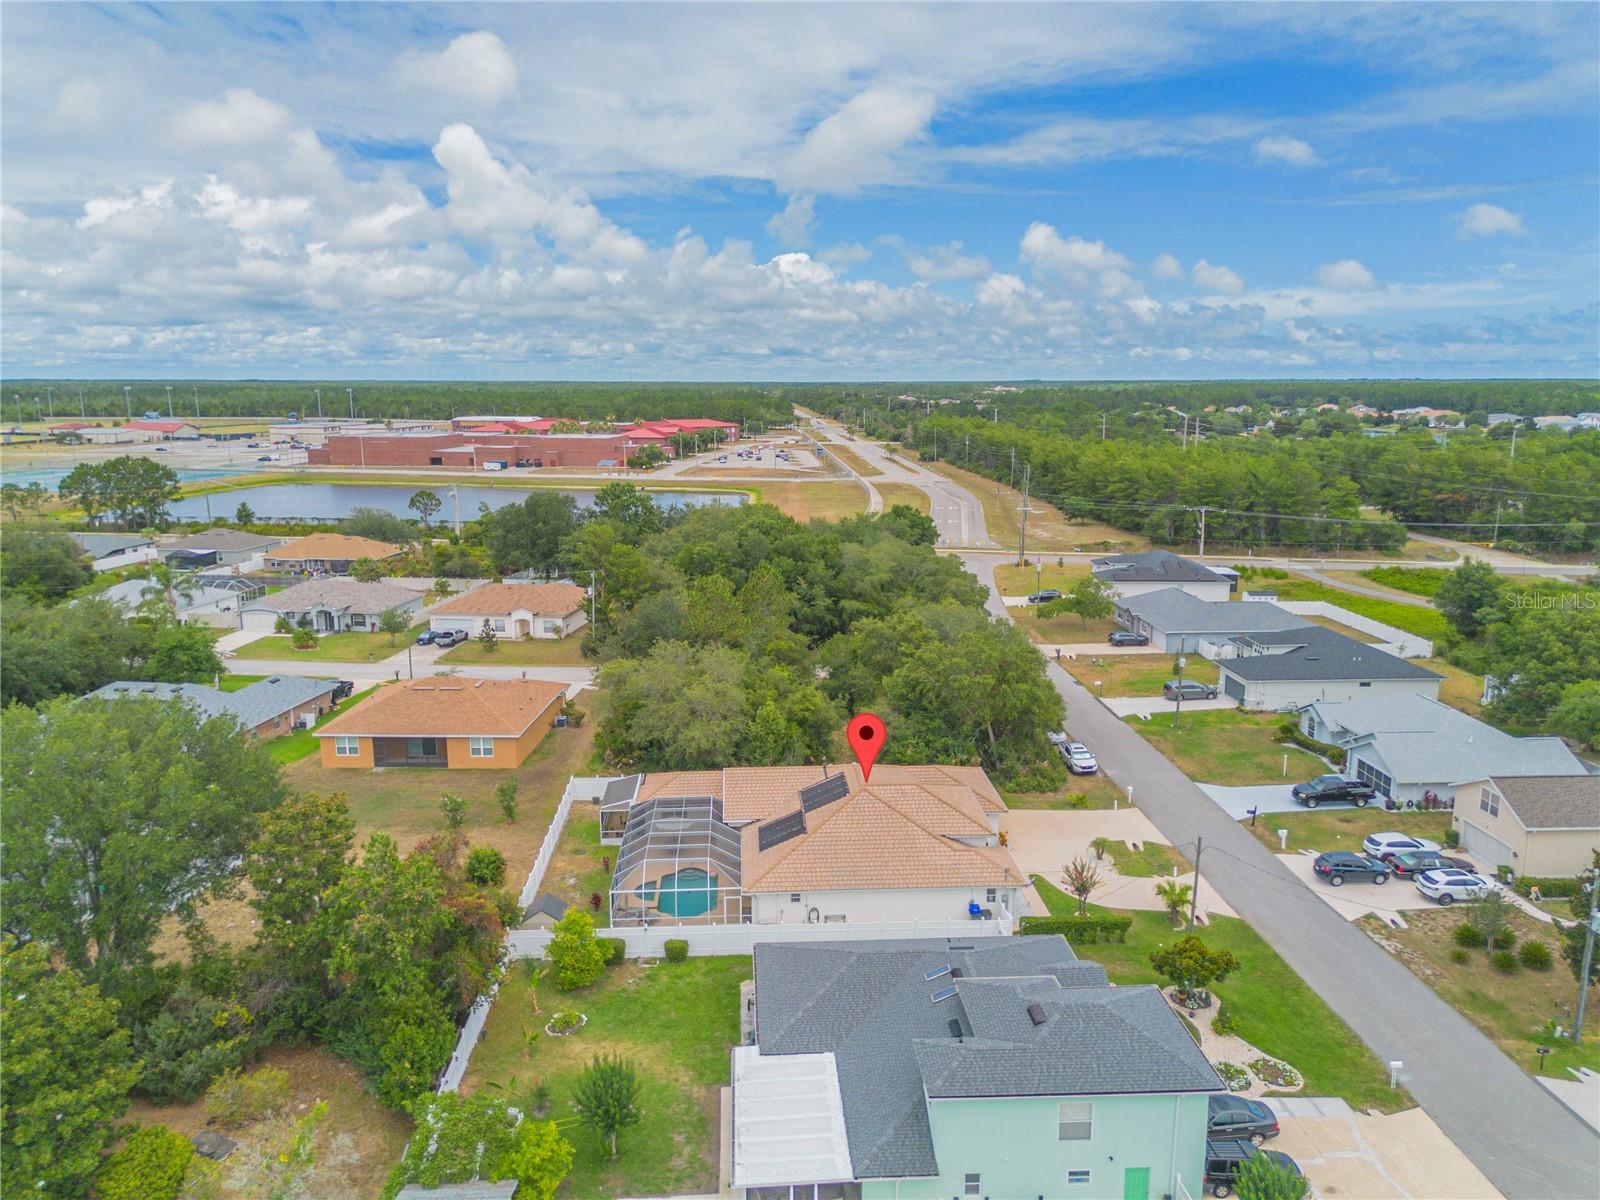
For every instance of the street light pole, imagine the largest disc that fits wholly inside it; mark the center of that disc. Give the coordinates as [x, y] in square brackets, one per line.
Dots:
[1177, 712]
[1593, 888]
[127, 400]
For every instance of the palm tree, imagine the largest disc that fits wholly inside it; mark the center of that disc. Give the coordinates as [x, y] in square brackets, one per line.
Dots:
[165, 584]
[1176, 896]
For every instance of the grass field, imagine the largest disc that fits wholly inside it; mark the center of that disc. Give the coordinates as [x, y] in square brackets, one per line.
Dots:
[404, 802]
[1013, 580]
[577, 871]
[1343, 828]
[675, 1021]
[333, 647]
[523, 652]
[1424, 622]
[827, 499]
[303, 743]
[1228, 747]
[852, 460]
[1151, 860]
[1460, 689]
[1511, 1008]
[1065, 629]
[1272, 1006]
[1096, 791]
[903, 493]
[1136, 674]
[1048, 528]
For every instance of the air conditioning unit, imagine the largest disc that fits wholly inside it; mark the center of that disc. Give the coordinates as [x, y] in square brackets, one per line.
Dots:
[305, 721]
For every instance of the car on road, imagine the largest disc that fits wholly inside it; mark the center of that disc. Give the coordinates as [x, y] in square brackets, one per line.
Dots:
[427, 637]
[1333, 789]
[1126, 637]
[1389, 843]
[1447, 885]
[1043, 597]
[1079, 759]
[1189, 689]
[1235, 1117]
[1225, 1159]
[263, 458]
[1336, 866]
[1414, 862]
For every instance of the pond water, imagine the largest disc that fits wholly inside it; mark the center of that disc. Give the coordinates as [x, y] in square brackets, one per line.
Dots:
[330, 501]
[51, 477]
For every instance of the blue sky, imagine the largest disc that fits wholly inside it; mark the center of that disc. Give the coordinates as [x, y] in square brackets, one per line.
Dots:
[682, 191]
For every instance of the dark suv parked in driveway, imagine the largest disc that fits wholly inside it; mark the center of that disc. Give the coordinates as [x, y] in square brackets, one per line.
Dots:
[1126, 637]
[1192, 689]
[1338, 865]
[1226, 1159]
[1236, 1117]
[1415, 862]
[1045, 596]
[1333, 789]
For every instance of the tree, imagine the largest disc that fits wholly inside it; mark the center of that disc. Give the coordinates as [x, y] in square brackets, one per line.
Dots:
[164, 586]
[41, 564]
[176, 653]
[441, 588]
[66, 1068]
[1081, 877]
[192, 1040]
[66, 649]
[455, 811]
[531, 535]
[378, 524]
[148, 1166]
[539, 1160]
[606, 1098]
[164, 801]
[577, 959]
[486, 866]
[1467, 595]
[1175, 896]
[1265, 1178]
[393, 621]
[1090, 599]
[1573, 935]
[487, 637]
[303, 638]
[424, 503]
[134, 490]
[1491, 914]
[366, 570]
[299, 854]
[630, 509]
[1191, 966]
[1577, 715]
[647, 456]
[506, 793]
[244, 514]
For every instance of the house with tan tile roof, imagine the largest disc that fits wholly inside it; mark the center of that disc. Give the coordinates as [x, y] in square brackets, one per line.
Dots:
[794, 845]
[326, 554]
[515, 610]
[444, 721]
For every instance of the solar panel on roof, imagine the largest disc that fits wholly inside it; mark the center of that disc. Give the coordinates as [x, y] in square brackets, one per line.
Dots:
[825, 791]
[781, 829]
[944, 994]
[930, 976]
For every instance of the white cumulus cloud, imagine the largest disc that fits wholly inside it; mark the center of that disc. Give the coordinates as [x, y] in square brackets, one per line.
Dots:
[946, 262]
[855, 146]
[1288, 150]
[1082, 265]
[240, 118]
[793, 225]
[1346, 275]
[1167, 266]
[1216, 278]
[1487, 220]
[476, 67]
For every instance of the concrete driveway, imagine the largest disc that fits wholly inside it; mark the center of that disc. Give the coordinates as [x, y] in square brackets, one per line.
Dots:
[1150, 706]
[1388, 901]
[1361, 1156]
[1264, 798]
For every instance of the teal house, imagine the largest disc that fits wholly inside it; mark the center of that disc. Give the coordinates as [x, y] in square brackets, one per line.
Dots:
[998, 1067]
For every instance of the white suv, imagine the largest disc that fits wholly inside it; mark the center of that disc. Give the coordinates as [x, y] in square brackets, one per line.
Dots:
[1447, 885]
[1386, 845]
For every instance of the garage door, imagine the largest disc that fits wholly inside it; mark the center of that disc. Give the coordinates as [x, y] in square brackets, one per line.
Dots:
[260, 618]
[1490, 851]
[1233, 686]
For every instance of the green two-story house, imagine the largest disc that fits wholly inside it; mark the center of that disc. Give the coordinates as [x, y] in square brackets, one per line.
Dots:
[998, 1067]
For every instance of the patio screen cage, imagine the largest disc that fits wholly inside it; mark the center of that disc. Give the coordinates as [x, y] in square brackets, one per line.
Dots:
[678, 864]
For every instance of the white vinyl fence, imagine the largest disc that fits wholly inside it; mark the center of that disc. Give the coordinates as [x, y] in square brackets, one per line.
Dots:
[1395, 641]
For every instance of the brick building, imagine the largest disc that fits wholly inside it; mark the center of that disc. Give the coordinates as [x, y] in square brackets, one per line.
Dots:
[473, 450]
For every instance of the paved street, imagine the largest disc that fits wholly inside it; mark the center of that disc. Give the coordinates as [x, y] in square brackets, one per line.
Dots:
[1527, 1143]
[396, 667]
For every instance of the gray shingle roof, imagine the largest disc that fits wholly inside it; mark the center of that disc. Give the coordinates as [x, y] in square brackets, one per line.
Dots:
[343, 594]
[1173, 610]
[1553, 802]
[544, 902]
[253, 705]
[1317, 653]
[869, 1004]
[221, 539]
[1153, 566]
[101, 544]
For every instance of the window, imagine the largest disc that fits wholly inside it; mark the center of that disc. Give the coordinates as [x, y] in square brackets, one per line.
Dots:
[1077, 1177]
[1489, 802]
[347, 747]
[991, 896]
[1076, 1121]
[794, 897]
[1363, 685]
[480, 747]
[974, 1187]
[500, 626]
[358, 620]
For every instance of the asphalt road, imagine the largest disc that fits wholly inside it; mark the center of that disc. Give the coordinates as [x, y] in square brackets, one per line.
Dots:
[1529, 1145]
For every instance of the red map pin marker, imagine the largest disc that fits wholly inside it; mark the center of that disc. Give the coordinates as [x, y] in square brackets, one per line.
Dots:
[865, 733]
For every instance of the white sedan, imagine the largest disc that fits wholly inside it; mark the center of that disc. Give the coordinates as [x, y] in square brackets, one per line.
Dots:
[1448, 884]
[1079, 760]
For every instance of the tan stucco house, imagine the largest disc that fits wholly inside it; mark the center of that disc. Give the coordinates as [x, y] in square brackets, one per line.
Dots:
[1542, 825]
[515, 610]
[444, 721]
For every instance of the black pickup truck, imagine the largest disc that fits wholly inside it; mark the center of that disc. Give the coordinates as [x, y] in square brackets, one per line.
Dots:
[1333, 789]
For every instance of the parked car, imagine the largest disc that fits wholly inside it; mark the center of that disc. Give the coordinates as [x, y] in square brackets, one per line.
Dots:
[1338, 865]
[1225, 1159]
[1236, 1117]
[427, 637]
[1079, 760]
[1386, 845]
[1046, 595]
[344, 691]
[449, 637]
[1447, 885]
[1126, 637]
[1333, 789]
[1414, 862]
[1189, 689]
[263, 458]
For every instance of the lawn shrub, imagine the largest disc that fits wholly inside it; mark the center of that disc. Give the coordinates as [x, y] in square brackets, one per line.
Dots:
[1550, 889]
[1458, 955]
[1083, 931]
[577, 958]
[677, 950]
[233, 1099]
[148, 1166]
[1503, 961]
[1535, 956]
[1223, 1021]
[1506, 939]
[1452, 838]
[616, 950]
[486, 866]
[1419, 581]
[1470, 936]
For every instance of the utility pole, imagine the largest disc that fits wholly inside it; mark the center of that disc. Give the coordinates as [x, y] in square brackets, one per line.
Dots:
[1496, 538]
[1202, 531]
[1593, 888]
[170, 413]
[50, 401]
[319, 402]
[1022, 524]
[1102, 427]
[1513, 443]
[1177, 712]
[1013, 467]
[1183, 433]
[197, 403]
[1194, 893]
[82, 413]
[351, 392]
[127, 400]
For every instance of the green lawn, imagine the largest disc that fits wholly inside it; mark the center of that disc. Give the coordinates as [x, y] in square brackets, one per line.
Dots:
[1079, 791]
[333, 647]
[524, 652]
[302, 743]
[1151, 860]
[1419, 581]
[580, 858]
[1066, 629]
[1013, 580]
[234, 683]
[1424, 622]
[1344, 828]
[1229, 747]
[675, 1021]
[1136, 674]
[1460, 689]
[1272, 1006]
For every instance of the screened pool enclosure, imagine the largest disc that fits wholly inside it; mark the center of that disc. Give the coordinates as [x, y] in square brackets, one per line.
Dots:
[678, 863]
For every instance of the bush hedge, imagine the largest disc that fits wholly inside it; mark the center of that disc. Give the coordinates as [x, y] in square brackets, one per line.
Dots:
[1550, 889]
[677, 950]
[1290, 732]
[148, 1166]
[1084, 931]
[1469, 936]
[1503, 961]
[616, 950]
[1506, 939]
[1535, 956]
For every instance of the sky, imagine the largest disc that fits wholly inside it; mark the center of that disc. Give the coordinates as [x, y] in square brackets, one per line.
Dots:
[799, 192]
